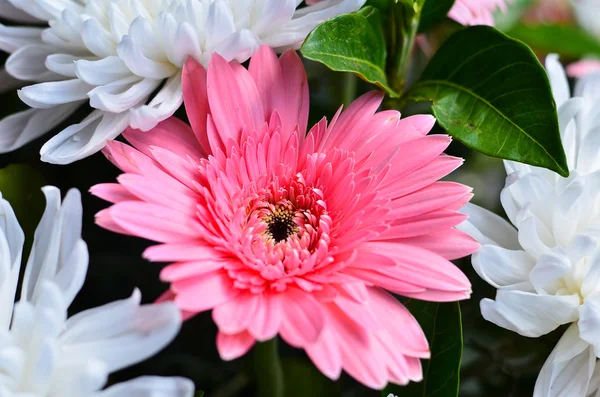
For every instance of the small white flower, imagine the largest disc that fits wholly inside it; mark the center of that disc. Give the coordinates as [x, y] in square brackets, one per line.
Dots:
[587, 13]
[547, 270]
[44, 354]
[124, 58]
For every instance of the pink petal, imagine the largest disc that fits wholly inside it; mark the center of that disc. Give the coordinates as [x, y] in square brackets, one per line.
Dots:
[325, 354]
[154, 222]
[266, 321]
[430, 173]
[147, 190]
[204, 293]
[268, 76]
[426, 223]
[169, 296]
[193, 250]
[184, 270]
[422, 122]
[297, 95]
[402, 327]
[421, 268]
[232, 91]
[231, 347]
[430, 198]
[582, 68]
[195, 99]
[352, 121]
[105, 220]
[118, 153]
[450, 244]
[303, 318]
[172, 134]
[112, 192]
[234, 316]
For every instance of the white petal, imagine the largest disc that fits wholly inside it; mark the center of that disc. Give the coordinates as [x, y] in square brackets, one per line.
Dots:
[568, 369]
[274, 16]
[306, 19]
[488, 228]
[531, 191]
[239, 46]
[13, 13]
[21, 128]
[591, 282]
[63, 64]
[558, 79]
[41, 370]
[42, 10]
[79, 378]
[589, 321]
[549, 268]
[219, 24]
[530, 314]
[139, 64]
[587, 14]
[163, 105]
[568, 129]
[503, 268]
[121, 333]
[29, 63]
[103, 71]
[186, 44]
[151, 386]
[11, 248]
[97, 40]
[47, 95]
[58, 253]
[534, 237]
[12, 38]
[84, 139]
[122, 95]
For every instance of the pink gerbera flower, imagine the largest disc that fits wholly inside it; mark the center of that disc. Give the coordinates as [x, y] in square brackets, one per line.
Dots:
[282, 232]
[476, 12]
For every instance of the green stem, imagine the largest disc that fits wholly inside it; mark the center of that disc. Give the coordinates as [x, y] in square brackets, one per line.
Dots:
[350, 83]
[267, 366]
[408, 21]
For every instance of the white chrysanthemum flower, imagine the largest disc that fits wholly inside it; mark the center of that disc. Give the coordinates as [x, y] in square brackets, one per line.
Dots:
[124, 58]
[44, 354]
[547, 270]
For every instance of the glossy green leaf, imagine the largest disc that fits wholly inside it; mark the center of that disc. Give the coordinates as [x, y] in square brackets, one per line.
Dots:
[569, 41]
[442, 325]
[491, 93]
[351, 43]
[199, 393]
[434, 12]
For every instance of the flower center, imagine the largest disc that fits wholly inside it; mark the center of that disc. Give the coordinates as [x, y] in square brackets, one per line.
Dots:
[280, 224]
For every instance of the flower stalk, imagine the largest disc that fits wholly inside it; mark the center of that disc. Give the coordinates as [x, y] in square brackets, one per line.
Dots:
[404, 22]
[268, 369]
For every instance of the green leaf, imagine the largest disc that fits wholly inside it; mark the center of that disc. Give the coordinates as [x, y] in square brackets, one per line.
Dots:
[491, 93]
[199, 393]
[568, 41]
[351, 43]
[434, 12]
[442, 325]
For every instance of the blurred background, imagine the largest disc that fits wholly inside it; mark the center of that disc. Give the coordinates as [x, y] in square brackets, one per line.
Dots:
[496, 362]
